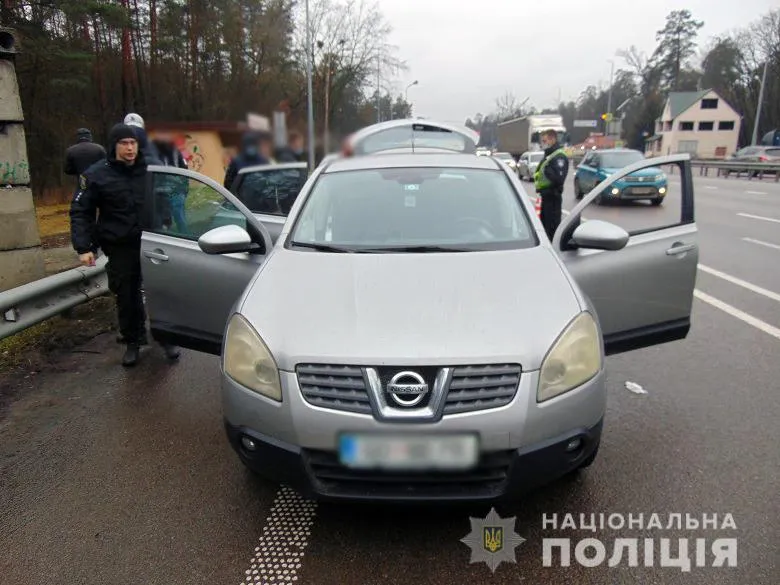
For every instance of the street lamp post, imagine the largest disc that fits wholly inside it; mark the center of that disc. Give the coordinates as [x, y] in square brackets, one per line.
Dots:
[758, 107]
[406, 94]
[310, 97]
[326, 133]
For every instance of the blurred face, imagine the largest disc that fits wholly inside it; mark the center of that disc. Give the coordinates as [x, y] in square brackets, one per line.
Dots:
[127, 150]
[266, 148]
[296, 143]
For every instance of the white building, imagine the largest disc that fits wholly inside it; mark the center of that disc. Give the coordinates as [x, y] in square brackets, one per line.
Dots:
[698, 122]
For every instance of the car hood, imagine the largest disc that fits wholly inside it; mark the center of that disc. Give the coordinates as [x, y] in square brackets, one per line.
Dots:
[646, 172]
[410, 309]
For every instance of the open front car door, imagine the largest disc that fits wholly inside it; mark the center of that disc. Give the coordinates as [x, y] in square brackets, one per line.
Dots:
[636, 262]
[196, 260]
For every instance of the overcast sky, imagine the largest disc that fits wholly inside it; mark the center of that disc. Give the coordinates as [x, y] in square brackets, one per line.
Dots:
[467, 53]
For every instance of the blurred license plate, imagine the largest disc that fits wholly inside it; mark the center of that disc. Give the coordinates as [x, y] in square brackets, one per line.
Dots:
[642, 190]
[408, 452]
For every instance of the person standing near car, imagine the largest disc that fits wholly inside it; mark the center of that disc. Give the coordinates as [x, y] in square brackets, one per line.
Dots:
[249, 155]
[175, 187]
[83, 154]
[549, 179]
[108, 212]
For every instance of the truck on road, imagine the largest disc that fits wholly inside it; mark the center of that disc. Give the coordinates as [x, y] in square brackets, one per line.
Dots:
[524, 134]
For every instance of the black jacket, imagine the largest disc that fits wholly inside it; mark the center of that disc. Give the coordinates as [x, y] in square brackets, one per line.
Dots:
[248, 157]
[116, 193]
[81, 156]
[556, 169]
[285, 154]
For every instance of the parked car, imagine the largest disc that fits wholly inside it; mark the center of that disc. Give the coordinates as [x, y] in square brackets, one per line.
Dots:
[507, 158]
[647, 184]
[528, 163]
[411, 333]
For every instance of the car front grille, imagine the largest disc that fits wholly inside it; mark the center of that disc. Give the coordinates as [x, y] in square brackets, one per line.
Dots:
[335, 387]
[485, 479]
[472, 388]
[480, 387]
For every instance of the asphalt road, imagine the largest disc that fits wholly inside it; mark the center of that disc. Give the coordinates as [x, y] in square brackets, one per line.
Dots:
[112, 476]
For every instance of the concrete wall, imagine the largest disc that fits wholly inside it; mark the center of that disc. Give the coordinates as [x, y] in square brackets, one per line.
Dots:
[21, 257]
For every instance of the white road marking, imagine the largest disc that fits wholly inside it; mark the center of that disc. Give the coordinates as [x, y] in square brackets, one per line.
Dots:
[711, 187]
[756, 192]
[279, 554]
[760, 243]
[761, 217]
[739, 282]
[734, 312]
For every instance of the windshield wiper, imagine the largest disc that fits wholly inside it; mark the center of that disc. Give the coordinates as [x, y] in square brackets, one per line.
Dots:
[418, 249]
[323, 247]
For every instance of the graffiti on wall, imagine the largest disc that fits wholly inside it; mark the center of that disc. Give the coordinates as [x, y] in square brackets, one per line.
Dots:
[191, 151]
[14, 172]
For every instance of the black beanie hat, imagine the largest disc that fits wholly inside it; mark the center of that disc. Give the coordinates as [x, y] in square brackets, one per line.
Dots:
[121, 132]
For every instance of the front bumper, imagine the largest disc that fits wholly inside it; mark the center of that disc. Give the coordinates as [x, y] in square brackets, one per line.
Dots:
[637, 191]
[522, 444]
[500, 475]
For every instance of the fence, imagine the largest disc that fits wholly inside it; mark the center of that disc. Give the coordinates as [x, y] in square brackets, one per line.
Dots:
[29, 304]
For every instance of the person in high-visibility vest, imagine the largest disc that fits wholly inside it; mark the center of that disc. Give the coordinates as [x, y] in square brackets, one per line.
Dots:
[549, 179]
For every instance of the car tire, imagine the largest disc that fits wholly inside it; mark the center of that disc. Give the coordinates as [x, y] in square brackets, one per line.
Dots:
[657, 202]
[577, 190]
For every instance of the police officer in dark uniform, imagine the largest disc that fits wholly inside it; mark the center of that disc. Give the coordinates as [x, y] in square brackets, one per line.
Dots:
[114, 189]
[549, 179]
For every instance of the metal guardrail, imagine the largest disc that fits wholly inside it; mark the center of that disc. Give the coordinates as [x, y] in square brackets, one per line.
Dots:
[725, 168]
[29, 304]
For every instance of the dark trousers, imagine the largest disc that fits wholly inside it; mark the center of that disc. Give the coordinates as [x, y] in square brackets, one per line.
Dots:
[552, 201]
[124, 280]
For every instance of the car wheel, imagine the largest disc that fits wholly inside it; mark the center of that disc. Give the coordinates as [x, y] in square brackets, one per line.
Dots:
[577, 189]
[657, 202]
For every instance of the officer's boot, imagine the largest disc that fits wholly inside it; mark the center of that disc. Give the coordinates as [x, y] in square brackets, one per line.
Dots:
[132, 354]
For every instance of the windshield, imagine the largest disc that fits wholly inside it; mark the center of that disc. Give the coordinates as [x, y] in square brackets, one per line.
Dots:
[400, 208]
[618, 160]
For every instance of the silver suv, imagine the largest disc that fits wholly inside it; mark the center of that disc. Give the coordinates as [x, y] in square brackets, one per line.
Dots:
[409, 333]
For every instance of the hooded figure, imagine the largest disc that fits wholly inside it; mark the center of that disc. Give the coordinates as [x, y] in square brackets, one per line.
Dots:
[249, 155]
[83, 154]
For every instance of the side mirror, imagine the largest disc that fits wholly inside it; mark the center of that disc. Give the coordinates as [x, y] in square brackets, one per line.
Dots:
[225, 239]
[600, 235]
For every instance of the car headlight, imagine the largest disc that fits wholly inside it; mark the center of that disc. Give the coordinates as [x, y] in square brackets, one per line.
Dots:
[248, 361]
[573, 360]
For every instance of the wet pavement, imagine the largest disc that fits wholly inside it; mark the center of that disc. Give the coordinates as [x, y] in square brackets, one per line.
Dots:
[114, 476]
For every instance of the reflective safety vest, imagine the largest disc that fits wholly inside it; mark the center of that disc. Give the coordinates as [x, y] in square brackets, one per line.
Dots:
[540, 179]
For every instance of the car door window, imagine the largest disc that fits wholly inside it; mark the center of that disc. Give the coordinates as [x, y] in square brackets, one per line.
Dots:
[186, 207]
[643, 292]
[271, 190]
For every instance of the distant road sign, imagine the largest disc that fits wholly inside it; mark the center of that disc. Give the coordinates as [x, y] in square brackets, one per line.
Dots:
[586, 123]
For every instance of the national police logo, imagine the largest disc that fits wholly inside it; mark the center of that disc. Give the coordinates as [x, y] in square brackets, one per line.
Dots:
[493, 540]
[82, 182]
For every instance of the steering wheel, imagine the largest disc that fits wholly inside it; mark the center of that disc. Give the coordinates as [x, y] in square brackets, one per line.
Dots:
[476, 221]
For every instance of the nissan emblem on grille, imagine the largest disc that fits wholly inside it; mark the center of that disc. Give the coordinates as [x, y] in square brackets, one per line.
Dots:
[407, 388]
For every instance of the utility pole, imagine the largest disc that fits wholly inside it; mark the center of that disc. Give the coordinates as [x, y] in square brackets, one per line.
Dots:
[760, 103]
[310, 105]
[21, 256]
[609, 97]
[325, 141]
[378, 98]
